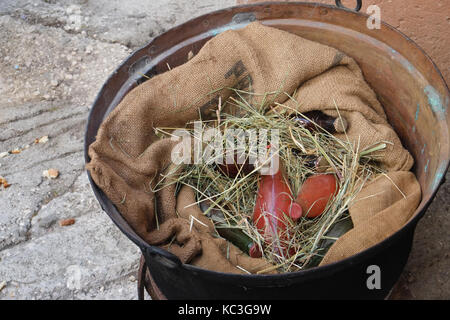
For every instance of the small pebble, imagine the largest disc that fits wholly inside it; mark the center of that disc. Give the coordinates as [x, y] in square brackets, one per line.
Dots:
[2, 285]
[66, 222]
[4, 183]
[51, 174]
[43, 139]
[3, 154]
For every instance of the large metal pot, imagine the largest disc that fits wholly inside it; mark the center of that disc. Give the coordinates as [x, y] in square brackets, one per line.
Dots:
[402, 75]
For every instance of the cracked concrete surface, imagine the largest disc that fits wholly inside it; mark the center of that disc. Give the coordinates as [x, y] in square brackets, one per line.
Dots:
[54, 57]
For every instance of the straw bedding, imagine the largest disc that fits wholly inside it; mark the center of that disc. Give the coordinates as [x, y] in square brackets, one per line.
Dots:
[129, 159]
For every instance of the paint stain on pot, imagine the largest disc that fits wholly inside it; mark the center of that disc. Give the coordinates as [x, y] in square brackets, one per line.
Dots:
[238, 21]
[426, 166]
[227, 27]
[417, 112]
[404, 62]
[435, 102]
[408, 66]
[423, 149]
[440, 172]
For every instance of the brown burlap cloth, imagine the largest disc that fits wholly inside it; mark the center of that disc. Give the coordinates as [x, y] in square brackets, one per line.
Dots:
[127, 158]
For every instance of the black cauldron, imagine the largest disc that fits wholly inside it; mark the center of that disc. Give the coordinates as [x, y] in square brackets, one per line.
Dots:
[401, 74]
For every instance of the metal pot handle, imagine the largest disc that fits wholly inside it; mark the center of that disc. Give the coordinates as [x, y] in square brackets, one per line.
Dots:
[357, 8]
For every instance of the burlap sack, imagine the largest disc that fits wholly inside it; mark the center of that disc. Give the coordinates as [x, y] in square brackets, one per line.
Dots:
[127, 158]
[381, 208]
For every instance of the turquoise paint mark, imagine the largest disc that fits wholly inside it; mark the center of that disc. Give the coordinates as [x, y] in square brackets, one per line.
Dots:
[438, 177]
[426, 166]
[408, 66]
[423, 149]
[403, 61]
[435, 102]
[417, 112]
[219, 30]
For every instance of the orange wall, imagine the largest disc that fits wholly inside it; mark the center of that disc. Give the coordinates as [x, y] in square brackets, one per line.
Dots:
[427, 22]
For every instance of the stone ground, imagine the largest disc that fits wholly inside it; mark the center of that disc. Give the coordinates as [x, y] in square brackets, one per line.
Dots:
[54, 57]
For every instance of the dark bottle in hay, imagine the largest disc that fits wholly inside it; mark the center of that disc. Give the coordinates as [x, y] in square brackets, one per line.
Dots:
[314, 120]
